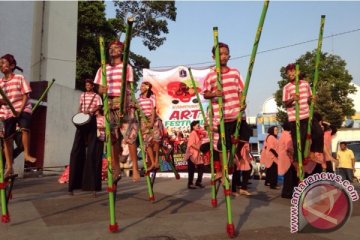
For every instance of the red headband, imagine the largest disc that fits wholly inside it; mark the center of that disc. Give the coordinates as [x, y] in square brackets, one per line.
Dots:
[116, 42]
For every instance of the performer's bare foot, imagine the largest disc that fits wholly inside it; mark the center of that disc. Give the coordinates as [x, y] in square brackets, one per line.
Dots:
[244, 192]
[235, 194]
[30, 159]
[157, 165]
[116, 175]
[218, 176]
[135, 176]
[8, 172]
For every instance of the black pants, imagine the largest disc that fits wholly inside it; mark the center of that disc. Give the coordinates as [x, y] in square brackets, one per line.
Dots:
[290, 181]
[273, 175]
[191, 171]
[303, 129]
[83, 159]
[230, 129]
[235, 181]
[329, 167]
[245, 176]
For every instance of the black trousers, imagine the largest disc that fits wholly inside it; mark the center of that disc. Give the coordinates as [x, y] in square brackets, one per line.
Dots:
[191, 171]
[235, 181]
[303, 129]
[83, 158]
[329, 167]
[273, 175]
[245, 176]
[290, 181]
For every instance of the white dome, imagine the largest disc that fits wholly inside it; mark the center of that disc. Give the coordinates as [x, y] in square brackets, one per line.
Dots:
[356, 98]
[269, 106]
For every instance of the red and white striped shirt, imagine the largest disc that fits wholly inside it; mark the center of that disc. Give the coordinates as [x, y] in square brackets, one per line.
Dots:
[15, 88]
[305, 93]
[232, 86]
[90, 97]
[113, 77]
[100, 124]
[147, 105]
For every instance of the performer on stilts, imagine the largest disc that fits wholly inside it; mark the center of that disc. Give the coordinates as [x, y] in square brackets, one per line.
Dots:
[232, 86]
[149, 124]
[84, 173]
[223, 85]
[289, 97]
[121, 126]
[18, 111]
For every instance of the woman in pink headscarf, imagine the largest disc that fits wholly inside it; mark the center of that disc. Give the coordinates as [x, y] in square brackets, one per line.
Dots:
[192, 156]
[285, 163]
[245, 167]
[271, 159]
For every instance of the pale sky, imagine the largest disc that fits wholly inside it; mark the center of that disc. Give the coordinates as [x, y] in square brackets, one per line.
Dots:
[190, 38]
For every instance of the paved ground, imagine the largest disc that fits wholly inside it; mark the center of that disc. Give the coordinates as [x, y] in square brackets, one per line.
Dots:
[42, 209]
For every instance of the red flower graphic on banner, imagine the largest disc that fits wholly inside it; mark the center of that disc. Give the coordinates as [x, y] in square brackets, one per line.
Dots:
[181, 91]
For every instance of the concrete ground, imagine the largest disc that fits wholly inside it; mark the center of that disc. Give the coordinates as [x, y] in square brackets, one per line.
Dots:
[42, 209]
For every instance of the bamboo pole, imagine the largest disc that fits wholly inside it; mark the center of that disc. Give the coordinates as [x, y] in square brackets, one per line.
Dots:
[248, 77]
[297, 119]
[130, 22]
[5, 218]
[111, 188]
[43, 95]
[6, 99]
[314, 85]
[230, 225]
[209, 131]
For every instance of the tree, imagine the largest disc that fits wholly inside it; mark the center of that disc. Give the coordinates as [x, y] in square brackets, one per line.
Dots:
[150, 19]
[334, 85]
[150, 25]
[91, 24]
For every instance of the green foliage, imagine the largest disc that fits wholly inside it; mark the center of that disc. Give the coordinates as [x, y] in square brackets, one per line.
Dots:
[91, 24]
[334, 85]
[150, 19]
[150, 25]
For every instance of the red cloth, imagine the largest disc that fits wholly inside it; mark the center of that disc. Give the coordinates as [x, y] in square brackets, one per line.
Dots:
[64, 177]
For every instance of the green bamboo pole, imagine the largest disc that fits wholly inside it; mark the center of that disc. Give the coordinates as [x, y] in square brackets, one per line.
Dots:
[209, 131]
[6, 99]
[43, 95]
[316, 77]
[4, 212]
[130, 22]
[297, 115]
[113, 226]
[141, 141]
[248, 77]
[230, 225]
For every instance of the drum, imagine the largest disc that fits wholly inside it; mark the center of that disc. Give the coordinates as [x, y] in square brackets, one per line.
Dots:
[81, 119]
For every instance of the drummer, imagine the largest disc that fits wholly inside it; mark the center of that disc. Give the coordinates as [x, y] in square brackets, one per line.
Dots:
[83, 156]
[122, 127]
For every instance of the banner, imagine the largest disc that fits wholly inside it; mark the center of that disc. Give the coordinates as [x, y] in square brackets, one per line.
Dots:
[177, 104]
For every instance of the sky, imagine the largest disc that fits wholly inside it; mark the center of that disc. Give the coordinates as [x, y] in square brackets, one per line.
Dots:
[287, 23]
